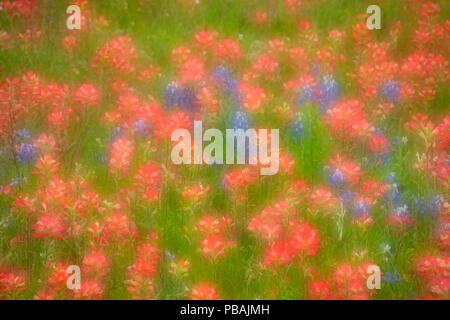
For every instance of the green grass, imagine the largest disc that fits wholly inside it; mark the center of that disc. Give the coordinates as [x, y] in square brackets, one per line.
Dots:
[157, 27]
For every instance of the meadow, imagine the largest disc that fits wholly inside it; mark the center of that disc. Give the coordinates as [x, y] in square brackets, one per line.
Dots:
[86, 176]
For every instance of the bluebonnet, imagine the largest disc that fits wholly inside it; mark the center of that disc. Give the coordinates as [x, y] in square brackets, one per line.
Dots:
[358, 206]
[298, 129]
[315, 69]
[400, 140]
[223, 76]
[443, 228]
[118, 133]
[397, 140]
[385, 157]
[141, 126]
[307, 94]
[436, 203]
[170, 255]
[348, 197]
[420, 205]
[25, 152]
[392, 177]
[14, 181]
[394, 195]
[361, 207]
[240, 120]
[336, 177]
[432, 205]
[401, 211]
[390, 91]
[329, 91]
[101, 157]
[392, 278]
[172, 93]
[175, 95]
[230, 85]
[23, 133]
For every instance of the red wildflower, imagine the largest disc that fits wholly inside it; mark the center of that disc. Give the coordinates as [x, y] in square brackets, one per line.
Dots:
[240, 178]
[149, 74]
[95, 263]
[265, 65]
[253, 97]
[195, 192]
[304, 238]
[10, 284]
[117, 227]
[181, 54]
[320, 289]
[348, 119]
[68, 43]
[147, 181]
[379, 144]
[192, 70]
[323, 198]
[90, 290]
[118, 54]
[121, 153]
[49, 226]
[203, 291]
[228, 49]
[260, 18]
[86, 95]
[214, 246]
[205, 39]
[278, 254]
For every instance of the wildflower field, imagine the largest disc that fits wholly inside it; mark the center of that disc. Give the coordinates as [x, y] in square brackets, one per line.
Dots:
[87, 178]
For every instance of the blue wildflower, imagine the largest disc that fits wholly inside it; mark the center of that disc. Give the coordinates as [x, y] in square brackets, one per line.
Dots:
[172, 94]
[118, 133]
[336, 177]
[361, 207]
[307, 94]
[14, 181]
[170, 255]
[25, 152]
[298, 129]
[182, 97]
[443, 228]
[240, 120]
[391, 91]
[329, 91]
[141, 126]
[432, 206]
[401, 211]
[436, 204]
[393, 195]
[420, 205]
[385, 157]
[392, 278]
[222, 75]
[23, 133]
[101, 157]
[392, 177]
[348, 197]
